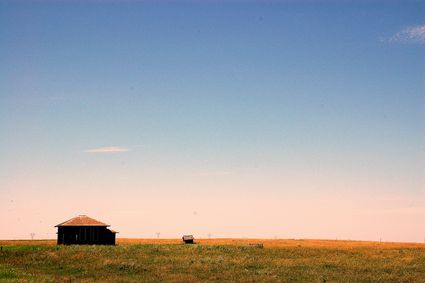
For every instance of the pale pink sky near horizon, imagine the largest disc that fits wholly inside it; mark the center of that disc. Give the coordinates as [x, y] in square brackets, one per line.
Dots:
[221, 212]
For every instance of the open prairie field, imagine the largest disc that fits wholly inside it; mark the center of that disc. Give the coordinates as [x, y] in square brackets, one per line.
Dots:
[213, 260]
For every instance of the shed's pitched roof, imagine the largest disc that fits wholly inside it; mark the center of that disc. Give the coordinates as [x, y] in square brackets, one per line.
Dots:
[82, 220]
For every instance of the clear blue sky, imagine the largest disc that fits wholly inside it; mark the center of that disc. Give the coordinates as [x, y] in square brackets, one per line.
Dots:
[123, 109]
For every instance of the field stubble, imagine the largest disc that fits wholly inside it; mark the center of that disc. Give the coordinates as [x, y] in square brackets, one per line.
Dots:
[212, 260]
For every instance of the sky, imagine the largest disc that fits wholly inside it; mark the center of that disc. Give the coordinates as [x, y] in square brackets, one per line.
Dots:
[268, 119]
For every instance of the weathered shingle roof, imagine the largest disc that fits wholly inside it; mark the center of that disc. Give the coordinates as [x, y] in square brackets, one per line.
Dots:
[82, 220]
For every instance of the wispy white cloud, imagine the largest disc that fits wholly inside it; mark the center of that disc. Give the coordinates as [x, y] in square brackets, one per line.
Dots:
[413, 34]
[107, 149]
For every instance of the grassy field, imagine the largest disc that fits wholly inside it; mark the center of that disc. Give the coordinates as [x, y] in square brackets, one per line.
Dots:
[215, 260]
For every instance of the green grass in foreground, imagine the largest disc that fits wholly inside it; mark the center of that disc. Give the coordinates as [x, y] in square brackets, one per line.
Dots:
[199, 263]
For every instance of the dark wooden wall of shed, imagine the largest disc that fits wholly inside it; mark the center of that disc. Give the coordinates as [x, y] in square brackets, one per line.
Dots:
[83, 235]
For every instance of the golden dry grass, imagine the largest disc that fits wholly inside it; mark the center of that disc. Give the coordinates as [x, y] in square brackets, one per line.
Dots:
[268, 243]
[213, 260]
[27, 242]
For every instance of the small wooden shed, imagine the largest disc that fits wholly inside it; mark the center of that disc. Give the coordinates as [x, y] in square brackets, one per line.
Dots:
[83, 230]
[188, 239]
